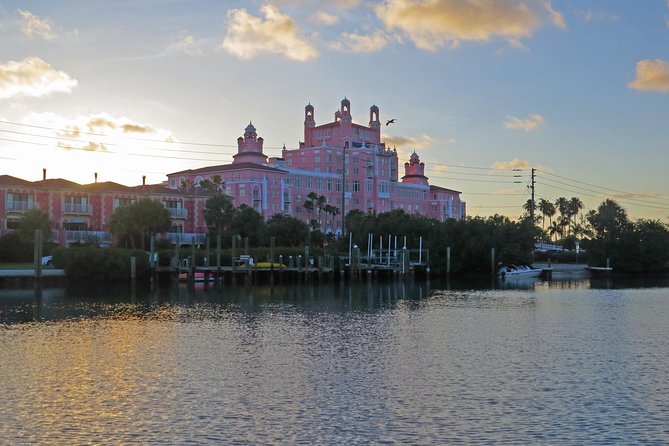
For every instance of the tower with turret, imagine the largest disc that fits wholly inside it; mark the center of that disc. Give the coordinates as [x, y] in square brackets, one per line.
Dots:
[249, 147]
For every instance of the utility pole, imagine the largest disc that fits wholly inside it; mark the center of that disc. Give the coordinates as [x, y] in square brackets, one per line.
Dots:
[532, 203]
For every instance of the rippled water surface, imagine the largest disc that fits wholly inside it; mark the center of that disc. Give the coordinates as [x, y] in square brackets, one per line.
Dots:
[382, 363]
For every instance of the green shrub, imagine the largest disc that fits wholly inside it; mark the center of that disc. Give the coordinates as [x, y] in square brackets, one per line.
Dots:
[100, 264]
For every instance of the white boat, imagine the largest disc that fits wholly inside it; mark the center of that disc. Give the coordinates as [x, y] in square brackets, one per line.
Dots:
[518, 271]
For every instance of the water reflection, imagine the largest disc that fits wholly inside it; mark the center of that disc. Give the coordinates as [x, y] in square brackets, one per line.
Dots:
[29, 305]
[361, 363]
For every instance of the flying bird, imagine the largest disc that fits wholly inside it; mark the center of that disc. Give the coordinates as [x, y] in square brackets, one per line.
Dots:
[390, 121]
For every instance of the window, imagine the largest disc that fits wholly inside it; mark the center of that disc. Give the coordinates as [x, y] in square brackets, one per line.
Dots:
[356, 185]
[329, 184]
[338, 185]
[356, 171]
[369, 186]
[310, 184]
[319, 184]
[20, 202]
[317, 159]
[123, 201]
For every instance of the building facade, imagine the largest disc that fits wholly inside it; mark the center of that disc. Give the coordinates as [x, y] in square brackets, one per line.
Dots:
[344, 162]
[81, 213]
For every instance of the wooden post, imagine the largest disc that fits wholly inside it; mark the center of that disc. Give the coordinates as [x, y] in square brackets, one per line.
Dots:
[152, 259]
[133, 268]
[234, 253]
[492, 261]
[306, 261]
[272, 242]
[206, 258]
[448, 260]
[37, 255]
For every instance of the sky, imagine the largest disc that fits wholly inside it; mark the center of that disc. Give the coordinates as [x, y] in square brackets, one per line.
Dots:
[483, 90]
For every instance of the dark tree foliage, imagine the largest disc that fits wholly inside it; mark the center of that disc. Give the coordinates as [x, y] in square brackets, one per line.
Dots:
[139, 221]
[32, 220]
[641, 246]
[247, 222]
[219, 213]
[13, 249]
[289, 231]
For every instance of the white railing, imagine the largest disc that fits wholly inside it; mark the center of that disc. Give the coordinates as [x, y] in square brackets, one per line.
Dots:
[77, 208]
[178, 212]
[87, 236]
[21, 205]
[185, 238]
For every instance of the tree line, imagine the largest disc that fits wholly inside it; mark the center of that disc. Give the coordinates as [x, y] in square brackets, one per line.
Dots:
[606, 233]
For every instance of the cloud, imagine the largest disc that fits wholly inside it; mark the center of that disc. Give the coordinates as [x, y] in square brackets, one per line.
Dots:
[324, 18]
[510, 165]
[33, 26]
[556, 17]
[33, 77]
[249, 36]
[651, 75]
[362, 43]
[88, 147]
[136, 128]
[186, 43]
[590, 16]
[96, 132]
[532, 123]
[431, 24]
[408, 141]
[405, 145]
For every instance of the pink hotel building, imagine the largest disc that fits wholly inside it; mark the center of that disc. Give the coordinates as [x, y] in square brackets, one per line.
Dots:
[347, 163]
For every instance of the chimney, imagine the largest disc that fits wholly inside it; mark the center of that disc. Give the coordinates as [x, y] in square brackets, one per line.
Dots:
[143, 180]
[43, 174]
[96, 177]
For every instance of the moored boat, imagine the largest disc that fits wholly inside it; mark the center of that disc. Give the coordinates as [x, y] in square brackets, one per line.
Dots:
[518, 271]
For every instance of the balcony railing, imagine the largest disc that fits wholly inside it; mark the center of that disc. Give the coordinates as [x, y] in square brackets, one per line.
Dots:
[185, 238]
[77, 208]
[21, 206]
[87, 236]
[178, 212]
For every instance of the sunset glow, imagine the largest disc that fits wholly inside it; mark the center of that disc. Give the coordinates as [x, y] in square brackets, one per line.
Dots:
[483, 91]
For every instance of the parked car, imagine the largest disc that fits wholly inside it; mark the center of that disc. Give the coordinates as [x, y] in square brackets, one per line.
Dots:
[46, 260]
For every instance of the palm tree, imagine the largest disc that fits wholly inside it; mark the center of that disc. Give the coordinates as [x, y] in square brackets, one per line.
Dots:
[214, 184]
[554, 229]
[575, 205]
[310, 206]
[321, 202]
[547, 210]
[562, 205]
[529, 206]
[186, 184]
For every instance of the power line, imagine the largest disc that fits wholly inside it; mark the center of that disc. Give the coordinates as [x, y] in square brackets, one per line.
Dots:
[606, 193]
[124, 137]
[599, 197]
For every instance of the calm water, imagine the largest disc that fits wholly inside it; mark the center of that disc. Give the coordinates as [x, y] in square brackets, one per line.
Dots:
[388, 363]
